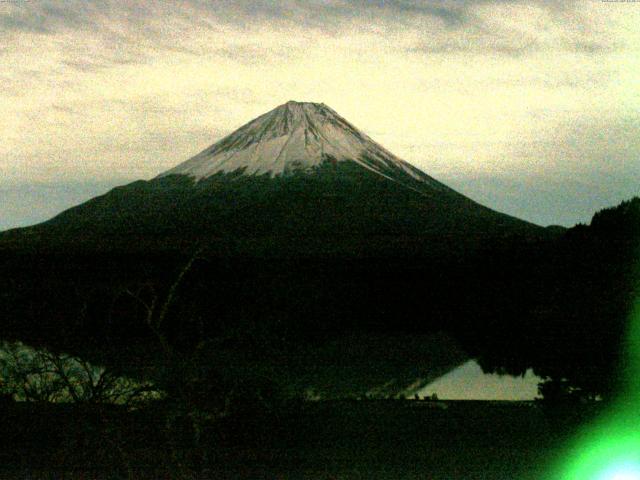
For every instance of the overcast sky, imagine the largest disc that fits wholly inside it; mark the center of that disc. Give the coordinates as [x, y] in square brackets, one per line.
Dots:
[532, 108]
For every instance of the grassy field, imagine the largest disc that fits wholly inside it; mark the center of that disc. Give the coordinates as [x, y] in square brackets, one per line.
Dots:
[347, 440]
[409, 440]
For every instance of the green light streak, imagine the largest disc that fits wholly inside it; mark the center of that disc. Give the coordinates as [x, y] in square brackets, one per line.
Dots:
[609, 449]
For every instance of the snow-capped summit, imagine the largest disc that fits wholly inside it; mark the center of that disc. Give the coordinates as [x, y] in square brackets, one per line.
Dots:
[300, 170]
[297, 137]
[334, 255]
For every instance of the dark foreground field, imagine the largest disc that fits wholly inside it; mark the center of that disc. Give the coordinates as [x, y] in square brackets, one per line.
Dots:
[321, 440]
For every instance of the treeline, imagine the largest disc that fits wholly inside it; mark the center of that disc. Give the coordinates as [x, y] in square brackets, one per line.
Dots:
[562, 307]
[558, 304]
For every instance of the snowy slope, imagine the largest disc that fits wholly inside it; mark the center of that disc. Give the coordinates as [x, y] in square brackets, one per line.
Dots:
[300, 170]
[297, 137]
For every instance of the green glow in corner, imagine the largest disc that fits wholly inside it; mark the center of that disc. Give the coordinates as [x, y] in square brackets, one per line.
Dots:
[608, 454]
[623, 471]
[610, 448]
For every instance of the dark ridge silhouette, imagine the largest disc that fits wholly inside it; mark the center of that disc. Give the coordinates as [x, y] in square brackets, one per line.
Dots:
[307, 231]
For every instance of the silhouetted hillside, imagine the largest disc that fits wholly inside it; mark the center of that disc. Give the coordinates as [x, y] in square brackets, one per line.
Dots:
[562, 308]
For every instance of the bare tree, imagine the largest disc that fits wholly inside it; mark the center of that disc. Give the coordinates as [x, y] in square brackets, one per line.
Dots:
[40, 375]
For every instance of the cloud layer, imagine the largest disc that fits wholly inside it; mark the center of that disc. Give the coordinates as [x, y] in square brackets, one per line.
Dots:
[488, 96]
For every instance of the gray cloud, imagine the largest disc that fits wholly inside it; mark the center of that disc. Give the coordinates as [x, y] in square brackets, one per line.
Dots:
[452, 14]
[505, 45]
[50, 16]
[475, 32]
[64, 109]
[23, 21]
[129, 31]
[96, 62]
[47, 17]
[196, 69]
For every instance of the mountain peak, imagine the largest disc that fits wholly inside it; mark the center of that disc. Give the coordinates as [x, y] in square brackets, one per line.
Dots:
[297, 137]
[293, 115]
[297, 103]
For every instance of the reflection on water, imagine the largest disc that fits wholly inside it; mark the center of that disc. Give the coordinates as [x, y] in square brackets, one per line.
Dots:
[469, 382]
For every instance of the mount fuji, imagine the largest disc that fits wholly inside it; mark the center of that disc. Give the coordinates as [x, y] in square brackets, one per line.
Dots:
[318, 244]
[300, 172]
[299, 137]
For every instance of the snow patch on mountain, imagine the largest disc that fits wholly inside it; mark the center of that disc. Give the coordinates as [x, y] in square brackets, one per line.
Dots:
[296, 137]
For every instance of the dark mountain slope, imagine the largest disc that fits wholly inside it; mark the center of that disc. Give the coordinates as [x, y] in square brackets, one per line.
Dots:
[306, 231]
[336, 204]
[300, 170]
